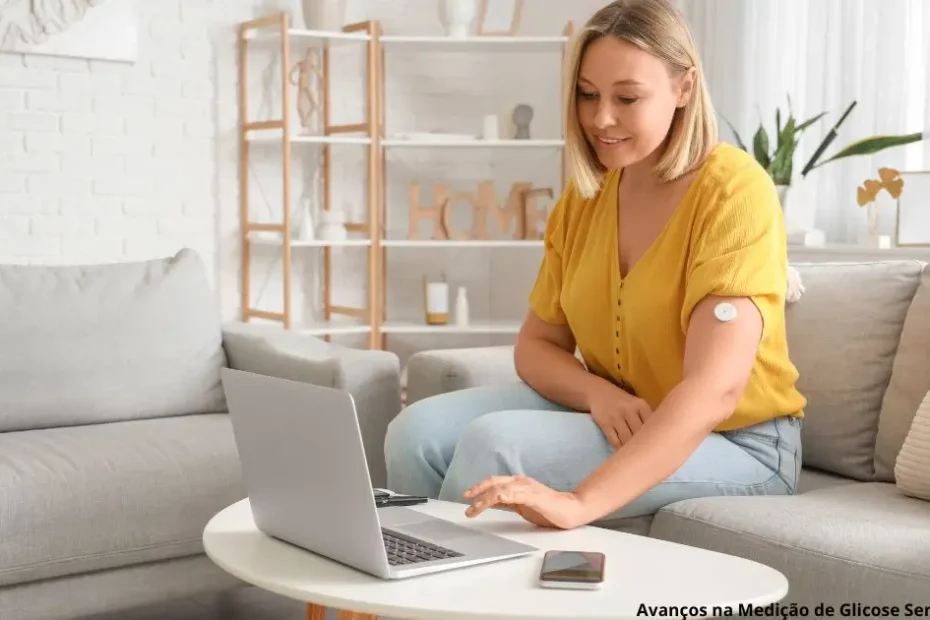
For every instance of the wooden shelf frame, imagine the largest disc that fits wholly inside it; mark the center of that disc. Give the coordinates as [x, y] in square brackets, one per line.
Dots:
[369, 134]
[367, 35]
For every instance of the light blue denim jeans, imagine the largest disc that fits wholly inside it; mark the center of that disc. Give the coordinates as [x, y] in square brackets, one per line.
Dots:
[440, 446]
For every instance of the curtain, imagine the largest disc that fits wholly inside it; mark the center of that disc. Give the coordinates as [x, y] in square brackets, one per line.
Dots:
[824, 54]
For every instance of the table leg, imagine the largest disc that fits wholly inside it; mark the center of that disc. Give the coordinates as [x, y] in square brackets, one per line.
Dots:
[354, 615]
[318, 612]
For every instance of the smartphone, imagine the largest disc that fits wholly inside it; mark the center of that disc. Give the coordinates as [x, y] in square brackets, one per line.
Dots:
[576, 570]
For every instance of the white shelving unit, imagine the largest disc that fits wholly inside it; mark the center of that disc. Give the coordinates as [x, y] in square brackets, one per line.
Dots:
[476, 327]
[283, 132]
[520, 44]
[314, 243]
[480, 243]
[470, 45]
[334, 328]
[275, 30]
[473, 144]
[316, 38]
[275, 136]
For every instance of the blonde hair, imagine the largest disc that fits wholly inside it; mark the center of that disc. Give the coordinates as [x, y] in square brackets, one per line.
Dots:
[657, 28]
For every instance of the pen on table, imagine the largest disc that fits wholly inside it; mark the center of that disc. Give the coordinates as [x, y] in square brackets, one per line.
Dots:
[404, 500]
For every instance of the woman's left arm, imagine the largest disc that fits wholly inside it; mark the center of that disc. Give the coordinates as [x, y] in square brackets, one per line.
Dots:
[718, 360]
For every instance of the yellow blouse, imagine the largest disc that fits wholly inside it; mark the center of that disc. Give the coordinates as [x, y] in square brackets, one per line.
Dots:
[726, 237]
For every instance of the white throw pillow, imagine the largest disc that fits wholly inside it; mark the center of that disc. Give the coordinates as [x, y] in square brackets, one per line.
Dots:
[795, 286]
[912, 469]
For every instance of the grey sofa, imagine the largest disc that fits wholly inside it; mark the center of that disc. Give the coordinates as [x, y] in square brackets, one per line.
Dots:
[115, 445]
[860, 336]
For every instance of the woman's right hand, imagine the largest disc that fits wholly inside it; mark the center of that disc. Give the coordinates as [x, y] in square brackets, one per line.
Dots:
[617, 413]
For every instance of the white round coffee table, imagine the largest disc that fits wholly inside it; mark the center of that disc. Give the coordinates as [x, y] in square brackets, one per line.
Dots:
[643, 575]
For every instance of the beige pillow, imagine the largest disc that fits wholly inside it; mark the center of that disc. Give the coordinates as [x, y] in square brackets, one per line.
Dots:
[912, 470]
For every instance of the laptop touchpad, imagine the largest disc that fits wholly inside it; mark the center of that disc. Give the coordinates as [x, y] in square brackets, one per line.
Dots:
[438, 530]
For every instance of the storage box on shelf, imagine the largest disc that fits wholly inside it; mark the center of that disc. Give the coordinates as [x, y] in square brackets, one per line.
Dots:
[371, 319]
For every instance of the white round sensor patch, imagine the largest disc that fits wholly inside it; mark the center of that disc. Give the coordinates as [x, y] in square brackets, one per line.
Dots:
[725, 312]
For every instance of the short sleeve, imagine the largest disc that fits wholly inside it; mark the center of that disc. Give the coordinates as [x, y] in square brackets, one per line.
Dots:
[545, 295]
[739, 249]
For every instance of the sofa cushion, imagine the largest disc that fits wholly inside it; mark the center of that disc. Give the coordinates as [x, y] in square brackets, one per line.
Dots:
[863, 542]
[439, 371]
[813, 479]
[86, 498]
[912, 470]
[910, 381]
[100, 343]
[842, 336]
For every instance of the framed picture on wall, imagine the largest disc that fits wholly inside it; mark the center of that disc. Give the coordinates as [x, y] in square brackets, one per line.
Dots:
[912, 226]
[499, 17]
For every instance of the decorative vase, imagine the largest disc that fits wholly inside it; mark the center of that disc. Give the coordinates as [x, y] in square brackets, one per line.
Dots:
[305, 223]
[783, 196]
[324, 14]
[461, 307]
[457, 16]
[872, 238]
[332, 225]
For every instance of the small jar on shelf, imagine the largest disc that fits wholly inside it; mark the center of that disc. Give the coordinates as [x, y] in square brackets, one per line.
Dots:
[436, 295]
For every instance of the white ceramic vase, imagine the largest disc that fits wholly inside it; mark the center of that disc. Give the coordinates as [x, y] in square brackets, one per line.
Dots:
[324, 14]
[783, 195]
[457, 16]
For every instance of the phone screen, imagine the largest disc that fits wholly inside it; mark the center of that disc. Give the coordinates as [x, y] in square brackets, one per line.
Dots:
[577, 566]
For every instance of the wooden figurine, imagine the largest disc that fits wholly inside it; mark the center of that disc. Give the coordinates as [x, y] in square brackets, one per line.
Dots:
[300, 76]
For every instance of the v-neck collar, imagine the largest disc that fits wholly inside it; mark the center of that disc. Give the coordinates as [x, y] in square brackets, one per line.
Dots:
[614, 200]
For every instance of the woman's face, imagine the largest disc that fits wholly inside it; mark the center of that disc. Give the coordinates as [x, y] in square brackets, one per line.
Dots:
[626, 101]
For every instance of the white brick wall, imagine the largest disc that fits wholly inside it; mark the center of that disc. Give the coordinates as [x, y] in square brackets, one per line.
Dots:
[105, 161]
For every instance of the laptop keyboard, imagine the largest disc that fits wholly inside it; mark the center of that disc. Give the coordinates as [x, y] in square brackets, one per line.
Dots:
[403, 550]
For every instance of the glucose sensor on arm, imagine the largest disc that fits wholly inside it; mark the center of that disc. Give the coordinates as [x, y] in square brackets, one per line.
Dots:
[725, 312]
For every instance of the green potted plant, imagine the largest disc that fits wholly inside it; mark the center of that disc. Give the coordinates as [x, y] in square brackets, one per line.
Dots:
[778, 159]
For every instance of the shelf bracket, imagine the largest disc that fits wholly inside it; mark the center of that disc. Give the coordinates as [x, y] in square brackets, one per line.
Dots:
[258, 125]
[265, 227]
[358, 128]
[360, 313]
[263, 314]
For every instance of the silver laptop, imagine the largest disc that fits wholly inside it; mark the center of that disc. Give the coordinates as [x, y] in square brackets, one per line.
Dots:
[304, 467]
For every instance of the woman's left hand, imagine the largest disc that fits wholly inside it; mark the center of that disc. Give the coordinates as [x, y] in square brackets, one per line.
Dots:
[532, 500]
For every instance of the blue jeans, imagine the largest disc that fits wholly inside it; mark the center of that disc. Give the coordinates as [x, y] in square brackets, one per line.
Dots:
[440, 446]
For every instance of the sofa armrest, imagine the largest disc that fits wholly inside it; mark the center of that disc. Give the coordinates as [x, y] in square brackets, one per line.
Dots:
[371, 377]
[436, 372]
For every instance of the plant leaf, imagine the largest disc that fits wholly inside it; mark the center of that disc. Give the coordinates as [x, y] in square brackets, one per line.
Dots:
[760, 147]
[778, 128]
[781, 168]
[809, 122]
[826, 142]
[872, 145]
[789, 132]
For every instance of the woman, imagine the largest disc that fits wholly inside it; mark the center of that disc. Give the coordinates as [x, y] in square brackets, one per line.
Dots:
[665, 264]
